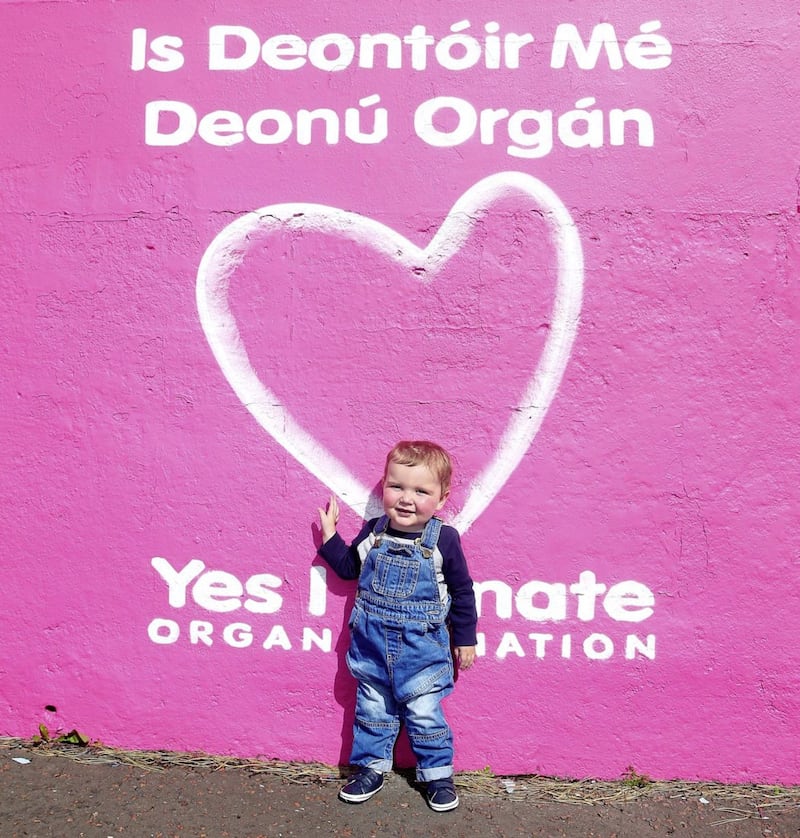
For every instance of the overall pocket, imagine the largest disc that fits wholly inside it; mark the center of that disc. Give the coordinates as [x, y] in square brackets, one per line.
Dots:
[395, 576]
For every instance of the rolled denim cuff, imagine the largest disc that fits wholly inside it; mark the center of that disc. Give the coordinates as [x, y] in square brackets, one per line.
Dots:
[425, 775]
[382, 765]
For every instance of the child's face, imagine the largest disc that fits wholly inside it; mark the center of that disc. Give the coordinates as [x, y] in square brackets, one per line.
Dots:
[412, 495]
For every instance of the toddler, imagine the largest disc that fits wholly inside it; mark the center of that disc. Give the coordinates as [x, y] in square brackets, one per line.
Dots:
[413, 582]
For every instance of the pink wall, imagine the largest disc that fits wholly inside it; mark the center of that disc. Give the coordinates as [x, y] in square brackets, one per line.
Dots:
[206, 330]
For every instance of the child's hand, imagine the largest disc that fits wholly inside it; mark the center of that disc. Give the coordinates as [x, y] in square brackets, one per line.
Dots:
[465, 656]
[328, 519]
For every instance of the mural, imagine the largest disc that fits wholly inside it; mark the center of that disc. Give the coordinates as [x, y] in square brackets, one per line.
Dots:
[248, 249]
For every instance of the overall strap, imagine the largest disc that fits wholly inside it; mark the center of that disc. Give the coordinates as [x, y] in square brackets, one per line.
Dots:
[430, 537]
[379, 529]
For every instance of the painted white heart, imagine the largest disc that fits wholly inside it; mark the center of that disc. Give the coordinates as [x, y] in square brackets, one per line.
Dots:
[227, 251]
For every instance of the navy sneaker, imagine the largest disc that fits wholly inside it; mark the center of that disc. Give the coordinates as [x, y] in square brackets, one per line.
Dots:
[362, 786]
[442, 795]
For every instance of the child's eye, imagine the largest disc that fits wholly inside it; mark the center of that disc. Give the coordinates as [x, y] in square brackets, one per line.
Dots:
[422, 492]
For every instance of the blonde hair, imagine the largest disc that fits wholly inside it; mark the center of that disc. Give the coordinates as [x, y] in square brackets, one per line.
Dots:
[420, 452]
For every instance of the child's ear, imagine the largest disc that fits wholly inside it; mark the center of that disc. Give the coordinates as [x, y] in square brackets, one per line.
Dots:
[442, 501]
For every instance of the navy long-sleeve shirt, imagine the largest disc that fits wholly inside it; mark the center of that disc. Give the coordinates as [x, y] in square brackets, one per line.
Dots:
[452, 572]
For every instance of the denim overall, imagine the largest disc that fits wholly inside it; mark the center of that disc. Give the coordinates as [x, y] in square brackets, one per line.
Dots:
[400, 655]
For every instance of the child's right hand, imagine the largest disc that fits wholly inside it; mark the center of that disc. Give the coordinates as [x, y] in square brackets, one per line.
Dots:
[328, 519]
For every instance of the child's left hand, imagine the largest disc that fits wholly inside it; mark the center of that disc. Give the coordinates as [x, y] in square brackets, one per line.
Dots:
[465, 656]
